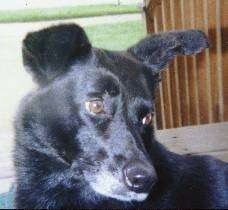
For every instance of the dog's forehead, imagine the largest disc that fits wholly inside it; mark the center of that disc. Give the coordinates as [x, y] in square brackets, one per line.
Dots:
[124, 69]
[111, 72]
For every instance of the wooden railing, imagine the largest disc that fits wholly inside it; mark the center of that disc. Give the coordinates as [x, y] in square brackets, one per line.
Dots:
[194, 89]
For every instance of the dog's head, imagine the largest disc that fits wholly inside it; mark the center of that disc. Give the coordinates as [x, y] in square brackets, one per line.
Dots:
[95, 107]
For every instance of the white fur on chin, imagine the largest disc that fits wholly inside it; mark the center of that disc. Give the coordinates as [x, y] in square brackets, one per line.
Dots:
[106, 184]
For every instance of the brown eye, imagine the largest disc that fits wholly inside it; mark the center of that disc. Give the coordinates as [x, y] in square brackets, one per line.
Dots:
[95, 106]
[147, 120]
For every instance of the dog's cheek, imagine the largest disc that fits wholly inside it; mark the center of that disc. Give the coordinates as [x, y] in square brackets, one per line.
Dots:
[147, 134]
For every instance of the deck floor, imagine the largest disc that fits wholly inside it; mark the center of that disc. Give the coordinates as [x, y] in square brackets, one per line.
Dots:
[211, 139]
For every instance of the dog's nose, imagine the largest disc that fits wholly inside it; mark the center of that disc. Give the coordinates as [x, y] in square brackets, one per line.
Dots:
[138, 176]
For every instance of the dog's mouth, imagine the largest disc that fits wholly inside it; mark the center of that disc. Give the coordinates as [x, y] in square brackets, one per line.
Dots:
[108, 185]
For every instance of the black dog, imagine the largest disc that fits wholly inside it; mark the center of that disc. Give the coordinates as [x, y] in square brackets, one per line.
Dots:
[84, 138]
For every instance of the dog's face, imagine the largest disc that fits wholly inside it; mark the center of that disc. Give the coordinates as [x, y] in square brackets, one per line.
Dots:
[95, 107]
[115, 105]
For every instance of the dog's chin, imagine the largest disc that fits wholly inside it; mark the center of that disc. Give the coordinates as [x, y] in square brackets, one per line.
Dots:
[125, 196]
[109, 186]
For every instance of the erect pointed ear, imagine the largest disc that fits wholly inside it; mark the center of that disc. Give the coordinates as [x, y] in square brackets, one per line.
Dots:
[49, 53]
[157, 50]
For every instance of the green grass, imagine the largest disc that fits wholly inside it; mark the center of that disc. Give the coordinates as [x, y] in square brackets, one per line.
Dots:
[116, 36]
[28, 15]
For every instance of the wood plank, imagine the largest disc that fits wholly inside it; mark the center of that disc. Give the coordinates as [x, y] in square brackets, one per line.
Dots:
[149, 8]
[224, 32]
[147, 16]
[201, 70]
[159, 105]
[182, 69]
[174, 68]
[219, 60]
[207, 63]
[183, 78]
[168, 111]
[196, 139]
[212, 35]
[191, 66]
[171, 71]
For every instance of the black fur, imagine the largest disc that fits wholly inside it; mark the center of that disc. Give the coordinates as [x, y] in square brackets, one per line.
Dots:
[60, 145]
[50, 52]
[155, 51]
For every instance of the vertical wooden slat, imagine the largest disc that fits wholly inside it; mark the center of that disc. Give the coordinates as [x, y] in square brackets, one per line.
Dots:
[224, 73]
[166, 75]
[149, 9]
[191, 62]
[212, 35]
[201, 70]
[183, 78]
[154, 22]
[171, 71]
[159, 105]
[208, 63]
[194, 89]
[174, 67]
[219, 59]
[147, 16]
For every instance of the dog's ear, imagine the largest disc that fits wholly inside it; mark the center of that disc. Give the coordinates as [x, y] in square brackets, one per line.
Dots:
[157, 50]
[49, 53]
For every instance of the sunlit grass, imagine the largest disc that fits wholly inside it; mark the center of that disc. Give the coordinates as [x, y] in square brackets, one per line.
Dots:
[116, 36]
[28, 15]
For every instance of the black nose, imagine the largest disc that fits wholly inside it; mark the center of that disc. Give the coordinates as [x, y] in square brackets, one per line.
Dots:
[139, 176]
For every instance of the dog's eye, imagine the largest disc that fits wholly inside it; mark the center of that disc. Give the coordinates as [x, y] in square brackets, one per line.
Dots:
[95, 106]
[147, 120]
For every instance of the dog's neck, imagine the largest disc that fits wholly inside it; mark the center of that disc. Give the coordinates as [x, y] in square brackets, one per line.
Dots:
[168, 168]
